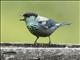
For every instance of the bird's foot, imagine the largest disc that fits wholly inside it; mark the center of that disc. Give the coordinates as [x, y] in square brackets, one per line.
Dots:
[49, 43]
[35, 43]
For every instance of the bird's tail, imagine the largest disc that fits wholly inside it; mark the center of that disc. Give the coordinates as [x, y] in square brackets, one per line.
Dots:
[62, 24]
[65, 23]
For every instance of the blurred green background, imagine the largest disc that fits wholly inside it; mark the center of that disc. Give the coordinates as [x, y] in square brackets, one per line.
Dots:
[13, 30]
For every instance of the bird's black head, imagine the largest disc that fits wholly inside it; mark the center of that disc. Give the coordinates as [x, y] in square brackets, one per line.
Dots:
[30, 14]
[26, 15]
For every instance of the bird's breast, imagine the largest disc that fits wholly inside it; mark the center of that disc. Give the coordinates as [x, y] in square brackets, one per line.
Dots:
[38, 30]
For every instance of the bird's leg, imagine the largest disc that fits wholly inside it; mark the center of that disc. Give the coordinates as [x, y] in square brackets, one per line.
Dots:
[36, 40]
[49, 40]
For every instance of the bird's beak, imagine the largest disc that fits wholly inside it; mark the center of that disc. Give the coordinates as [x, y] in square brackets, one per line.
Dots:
[22, 19]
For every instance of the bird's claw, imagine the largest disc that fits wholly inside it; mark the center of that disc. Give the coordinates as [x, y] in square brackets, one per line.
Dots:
[50, 43]
[35, 43]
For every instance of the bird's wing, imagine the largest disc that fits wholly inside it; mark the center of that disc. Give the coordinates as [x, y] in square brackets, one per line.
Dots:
[41, 18]
[47, 24]
[50, 23]
[43, 24]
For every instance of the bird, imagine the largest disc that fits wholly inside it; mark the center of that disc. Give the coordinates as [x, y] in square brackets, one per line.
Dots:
[41, 26]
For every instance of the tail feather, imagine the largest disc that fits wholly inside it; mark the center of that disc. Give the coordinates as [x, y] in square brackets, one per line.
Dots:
[63, 24]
